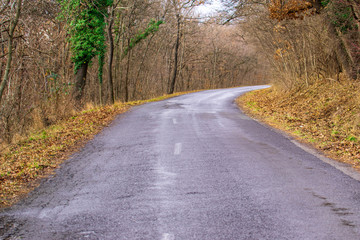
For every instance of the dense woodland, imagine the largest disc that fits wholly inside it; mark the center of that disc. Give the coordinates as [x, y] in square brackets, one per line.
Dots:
[58, 56]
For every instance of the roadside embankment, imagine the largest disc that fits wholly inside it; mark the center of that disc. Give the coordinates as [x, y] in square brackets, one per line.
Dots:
[325, 115]
[25, 162]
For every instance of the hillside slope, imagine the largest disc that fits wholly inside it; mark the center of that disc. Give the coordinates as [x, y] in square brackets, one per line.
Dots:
[325, 115]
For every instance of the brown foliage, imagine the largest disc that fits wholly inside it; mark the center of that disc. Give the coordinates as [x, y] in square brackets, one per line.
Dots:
[290, 9]
[340, 18]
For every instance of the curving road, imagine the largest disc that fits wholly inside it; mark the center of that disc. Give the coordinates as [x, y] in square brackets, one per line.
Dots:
[191, 167]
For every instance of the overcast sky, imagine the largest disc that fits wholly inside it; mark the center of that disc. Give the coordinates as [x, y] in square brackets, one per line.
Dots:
[209, 8]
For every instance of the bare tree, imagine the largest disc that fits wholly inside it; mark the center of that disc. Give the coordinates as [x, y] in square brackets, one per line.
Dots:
[14, 15]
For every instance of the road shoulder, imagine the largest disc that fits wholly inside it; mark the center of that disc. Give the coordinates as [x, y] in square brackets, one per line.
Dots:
[272, 109]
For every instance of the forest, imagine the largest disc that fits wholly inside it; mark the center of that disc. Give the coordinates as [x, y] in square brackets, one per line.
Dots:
[58, 56]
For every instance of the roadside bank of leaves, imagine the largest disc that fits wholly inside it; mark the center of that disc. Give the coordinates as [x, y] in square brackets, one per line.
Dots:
[27, 161]
[325, 115]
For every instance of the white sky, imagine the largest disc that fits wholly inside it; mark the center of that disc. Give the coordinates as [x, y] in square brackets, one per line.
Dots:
[209, 8]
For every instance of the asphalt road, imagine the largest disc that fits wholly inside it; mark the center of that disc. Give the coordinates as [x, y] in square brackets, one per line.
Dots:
[191, 167]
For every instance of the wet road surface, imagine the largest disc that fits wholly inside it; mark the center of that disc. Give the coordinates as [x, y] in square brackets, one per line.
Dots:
[191, 167]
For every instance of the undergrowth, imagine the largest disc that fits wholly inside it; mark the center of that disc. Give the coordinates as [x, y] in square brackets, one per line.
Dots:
[23, 163]
[325, 115]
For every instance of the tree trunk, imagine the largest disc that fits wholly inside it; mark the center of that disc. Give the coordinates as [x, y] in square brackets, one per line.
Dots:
[13, 24]
[8, 67]
[127, 75]
[177, 43]
[214, 66]
[346, 51]
[80, 81]
[136, 82]
[111, 56]
[355, 38]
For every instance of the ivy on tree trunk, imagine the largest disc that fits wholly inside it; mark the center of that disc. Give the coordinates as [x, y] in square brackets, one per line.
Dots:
[85, 23]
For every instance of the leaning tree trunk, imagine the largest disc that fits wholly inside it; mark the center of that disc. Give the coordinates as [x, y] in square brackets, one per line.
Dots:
[80, 81]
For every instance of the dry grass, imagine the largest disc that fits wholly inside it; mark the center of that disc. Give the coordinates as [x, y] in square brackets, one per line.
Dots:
[325, 115]
[24, 163]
